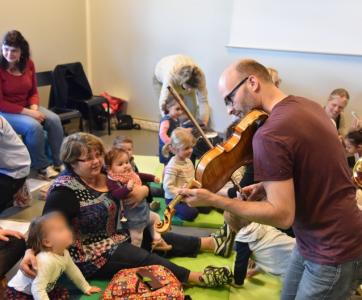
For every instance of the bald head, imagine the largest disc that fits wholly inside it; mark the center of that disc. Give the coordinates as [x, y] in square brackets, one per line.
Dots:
[244, 85]
[242, 69]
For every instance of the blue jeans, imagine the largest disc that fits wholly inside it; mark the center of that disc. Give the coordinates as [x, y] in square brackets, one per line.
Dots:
[305, 280]
[32, 133]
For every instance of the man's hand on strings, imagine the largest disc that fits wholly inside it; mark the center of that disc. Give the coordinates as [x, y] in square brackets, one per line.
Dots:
[196, 197]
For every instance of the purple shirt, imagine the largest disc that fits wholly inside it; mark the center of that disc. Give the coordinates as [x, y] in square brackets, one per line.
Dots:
[299, 141]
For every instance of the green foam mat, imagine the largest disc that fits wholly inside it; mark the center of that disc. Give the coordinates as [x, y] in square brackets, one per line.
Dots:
[260, 287]
[151, 164]
[214, 219]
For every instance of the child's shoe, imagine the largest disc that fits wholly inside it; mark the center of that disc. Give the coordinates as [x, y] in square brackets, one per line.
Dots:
[216, 276]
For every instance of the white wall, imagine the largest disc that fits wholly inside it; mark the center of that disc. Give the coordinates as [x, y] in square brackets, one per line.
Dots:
[125, 39]
[54, 29]
[308, 26]
[128, 37]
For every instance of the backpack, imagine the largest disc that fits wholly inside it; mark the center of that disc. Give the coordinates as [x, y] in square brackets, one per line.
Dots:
[127, 285]
[126, 122]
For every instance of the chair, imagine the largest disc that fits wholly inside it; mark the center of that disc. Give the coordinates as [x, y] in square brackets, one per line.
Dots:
[71, 89]
[65, 114]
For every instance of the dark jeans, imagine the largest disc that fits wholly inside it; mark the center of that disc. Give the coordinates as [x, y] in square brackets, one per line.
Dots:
[187, 213]
[8, 187]
[10, 252]
[129, 256]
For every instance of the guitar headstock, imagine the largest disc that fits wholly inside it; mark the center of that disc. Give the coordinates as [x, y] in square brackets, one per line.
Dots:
[165, 225]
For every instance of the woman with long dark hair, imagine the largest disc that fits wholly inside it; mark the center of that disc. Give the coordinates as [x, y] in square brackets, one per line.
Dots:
[19, 105]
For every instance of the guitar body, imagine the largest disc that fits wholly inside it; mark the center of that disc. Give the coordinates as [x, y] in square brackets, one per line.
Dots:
[218, 164]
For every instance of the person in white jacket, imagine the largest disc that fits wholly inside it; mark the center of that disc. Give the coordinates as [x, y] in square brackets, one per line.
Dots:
[187, 78]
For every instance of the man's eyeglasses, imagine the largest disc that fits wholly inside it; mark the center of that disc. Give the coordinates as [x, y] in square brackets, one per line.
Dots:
[229, 97]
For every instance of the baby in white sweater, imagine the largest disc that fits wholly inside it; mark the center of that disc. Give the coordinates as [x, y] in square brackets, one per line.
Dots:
[49, 238]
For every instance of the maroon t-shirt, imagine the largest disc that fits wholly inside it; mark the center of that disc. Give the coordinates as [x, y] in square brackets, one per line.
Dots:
[299, 141]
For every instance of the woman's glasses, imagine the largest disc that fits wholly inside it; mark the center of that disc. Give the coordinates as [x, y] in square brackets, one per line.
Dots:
[89, 159]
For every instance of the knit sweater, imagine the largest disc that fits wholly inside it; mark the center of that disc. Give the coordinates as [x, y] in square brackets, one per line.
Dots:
[165, 72]
[177, 174]
[50, 267]
[17, 92]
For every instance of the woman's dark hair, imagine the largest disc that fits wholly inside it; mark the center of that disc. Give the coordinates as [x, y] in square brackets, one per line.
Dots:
[355, 137]
[195, 78]
[15, 39]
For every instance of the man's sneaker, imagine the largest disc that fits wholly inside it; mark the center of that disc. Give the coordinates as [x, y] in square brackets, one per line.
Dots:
[47, 173]
[222, 231]
[224, 244]
[216, 276]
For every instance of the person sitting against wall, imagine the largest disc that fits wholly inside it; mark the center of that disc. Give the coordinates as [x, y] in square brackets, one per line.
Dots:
[186, 77]
[19, 105]
[14, 168]
[337, 102]
[14, 164]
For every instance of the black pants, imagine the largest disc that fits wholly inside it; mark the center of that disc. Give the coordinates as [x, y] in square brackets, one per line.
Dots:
[129, 256]
[8, 187]
[10, 252]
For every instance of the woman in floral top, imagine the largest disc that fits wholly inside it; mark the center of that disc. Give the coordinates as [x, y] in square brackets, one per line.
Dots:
[81, 194]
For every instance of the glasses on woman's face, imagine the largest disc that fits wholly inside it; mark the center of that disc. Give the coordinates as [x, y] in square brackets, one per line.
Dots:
[229, 98]
[91, 158]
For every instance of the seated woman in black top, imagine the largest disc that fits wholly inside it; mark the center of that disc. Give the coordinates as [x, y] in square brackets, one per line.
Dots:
[81, 194]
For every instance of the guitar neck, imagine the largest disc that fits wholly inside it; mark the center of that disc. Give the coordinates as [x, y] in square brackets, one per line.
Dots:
[192, 184]
[189, 115]
[175, 201]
